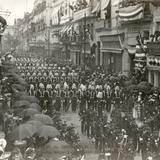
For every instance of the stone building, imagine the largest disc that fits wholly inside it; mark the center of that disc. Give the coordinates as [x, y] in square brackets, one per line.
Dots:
[111, 34]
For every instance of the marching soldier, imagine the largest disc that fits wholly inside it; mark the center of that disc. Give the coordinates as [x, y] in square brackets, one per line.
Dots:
[74, 102]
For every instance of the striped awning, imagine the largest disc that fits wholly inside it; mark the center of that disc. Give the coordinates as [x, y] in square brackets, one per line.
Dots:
[131, 12]
[104, 4]
[97, 8]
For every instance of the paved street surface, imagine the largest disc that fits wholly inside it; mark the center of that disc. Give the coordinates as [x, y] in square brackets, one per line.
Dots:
[73, 118]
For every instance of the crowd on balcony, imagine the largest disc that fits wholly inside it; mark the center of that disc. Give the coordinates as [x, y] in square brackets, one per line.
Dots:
[80, 4]
[40, 8]
[127, 3]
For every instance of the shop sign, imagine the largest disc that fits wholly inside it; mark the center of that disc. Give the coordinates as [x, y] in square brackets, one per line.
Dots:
[154, 48]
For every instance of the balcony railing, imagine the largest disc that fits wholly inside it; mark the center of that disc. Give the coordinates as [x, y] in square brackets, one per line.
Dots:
[75, 39]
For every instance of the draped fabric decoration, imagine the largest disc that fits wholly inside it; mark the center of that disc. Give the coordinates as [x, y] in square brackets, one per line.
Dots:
[55, 16]
[104, 4]
[3, 24]
[97, 8]
[131, 13]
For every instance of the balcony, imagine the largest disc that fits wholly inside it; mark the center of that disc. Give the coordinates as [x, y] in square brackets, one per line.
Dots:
[135, 12]
[86, 12]
[102, 25]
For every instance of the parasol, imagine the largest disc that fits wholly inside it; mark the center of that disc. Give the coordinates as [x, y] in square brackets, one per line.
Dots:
[43, 118]
[21, 103]
[35, 106]
[13, 70]
[58, 147]
[21, 81]
[48, 132]
[30, 112]
[17, 93]
[35, 123]
[132, 88]
[31, 99]
[23, 131]
[18, 87]
[144, 87]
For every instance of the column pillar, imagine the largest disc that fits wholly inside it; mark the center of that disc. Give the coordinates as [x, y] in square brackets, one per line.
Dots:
[149, 76]
[156, 79]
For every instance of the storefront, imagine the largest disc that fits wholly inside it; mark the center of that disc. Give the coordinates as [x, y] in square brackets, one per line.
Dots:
[37, 48]
[75, 54]
[111, 53]
[56, 51]
[153, 63]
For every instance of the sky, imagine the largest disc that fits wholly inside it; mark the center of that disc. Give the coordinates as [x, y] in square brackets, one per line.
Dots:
[16, 7]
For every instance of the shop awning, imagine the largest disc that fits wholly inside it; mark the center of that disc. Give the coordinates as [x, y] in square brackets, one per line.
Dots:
[104, 4]
[97, 8]
[131, 12]
[112, 43]
[69, 28]
[63, 29]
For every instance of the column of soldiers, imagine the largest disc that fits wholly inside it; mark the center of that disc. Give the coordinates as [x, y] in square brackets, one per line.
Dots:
[101, 106]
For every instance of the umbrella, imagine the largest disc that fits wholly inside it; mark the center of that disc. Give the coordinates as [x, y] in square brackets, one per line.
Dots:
[30, 112]
[13, 70]
[21, 81]
[132, 88]
[11, 74]
[18, 87]
[35, 106]
[35, 123]
[58, 147]
[21, 103]
[47, 131]
[23, 131]
[31, 99]
[144, 87]
[43, 118]
[17, 94]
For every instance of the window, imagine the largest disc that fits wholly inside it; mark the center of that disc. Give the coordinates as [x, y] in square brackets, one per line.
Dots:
[88, 28]
[147, 8]
[92, 31]
[152, 77]
[146, 34]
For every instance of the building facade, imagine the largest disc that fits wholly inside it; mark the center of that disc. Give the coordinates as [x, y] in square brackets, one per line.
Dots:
[109, 34]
